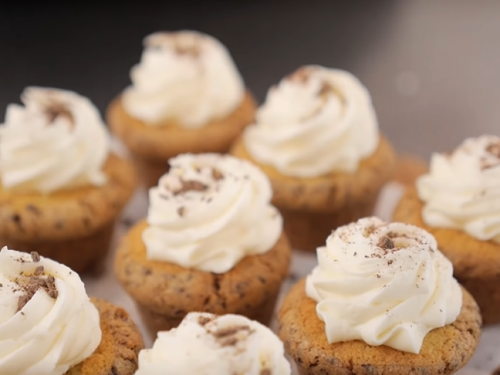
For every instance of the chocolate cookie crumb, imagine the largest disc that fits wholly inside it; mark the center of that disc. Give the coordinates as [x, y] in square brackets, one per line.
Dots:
[34, 284]
[217, 175]
[370, 230]
[386, 243]
[204, 320]
[190, 185]
[35, 256]
[227, 336]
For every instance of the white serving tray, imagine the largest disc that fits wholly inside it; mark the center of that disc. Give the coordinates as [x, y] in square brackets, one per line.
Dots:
[486, 359]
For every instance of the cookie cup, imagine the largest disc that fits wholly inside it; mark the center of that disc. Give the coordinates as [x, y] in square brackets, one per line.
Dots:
[118, 352]
[444, 351]
[152, 146]
[476, 263]
[312, 207]
[165, 292]
[73, 227]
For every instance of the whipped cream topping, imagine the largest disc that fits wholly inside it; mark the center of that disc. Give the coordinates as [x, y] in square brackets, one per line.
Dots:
[184, 76]
[315, 121]
[462, 189]
[209, 211]
[210, 345]
[47, 322]
[57, 140]
[384, 284]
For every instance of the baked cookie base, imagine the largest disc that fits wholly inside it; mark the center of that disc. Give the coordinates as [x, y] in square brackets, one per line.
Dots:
[155, 322]
[476, 264]
[309, 230]
[150, 171]
[82, 255]
[118, 352]
[444, 351]
[165, 292]
[72, 226]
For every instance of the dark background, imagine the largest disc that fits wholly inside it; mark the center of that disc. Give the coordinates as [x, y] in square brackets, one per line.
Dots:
[433, 67]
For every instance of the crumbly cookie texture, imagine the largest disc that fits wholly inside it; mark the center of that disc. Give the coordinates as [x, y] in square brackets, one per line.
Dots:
[119, 349]
[66, 214]
[166, 292]
[445, 350]
[475, 263]
[155, 143]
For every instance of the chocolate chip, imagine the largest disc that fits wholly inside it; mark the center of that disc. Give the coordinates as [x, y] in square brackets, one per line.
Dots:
[32, 285]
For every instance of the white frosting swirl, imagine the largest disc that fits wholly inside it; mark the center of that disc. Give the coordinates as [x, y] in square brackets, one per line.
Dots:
[315, 121]
[56, 141]
[385, 284]
[45, 334]
[209, 211]
[185, 76]
[210, 345]
[462, 189]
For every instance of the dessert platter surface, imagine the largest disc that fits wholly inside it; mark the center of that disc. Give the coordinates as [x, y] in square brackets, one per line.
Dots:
[104, 285]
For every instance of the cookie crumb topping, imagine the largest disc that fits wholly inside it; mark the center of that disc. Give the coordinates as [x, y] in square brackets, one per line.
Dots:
[190, 185]
[35, 256]
[492, 157]
[224, 336]
[28, 285]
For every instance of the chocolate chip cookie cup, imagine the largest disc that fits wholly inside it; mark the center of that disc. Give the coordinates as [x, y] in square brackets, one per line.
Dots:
[56, 327]
[457, 201]
[381, 301]
[316, 137]
[61, 189]
[211, 243]
[215, 345]
[187, 96]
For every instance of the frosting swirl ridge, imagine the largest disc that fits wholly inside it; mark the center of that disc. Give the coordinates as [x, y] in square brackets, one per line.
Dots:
[385, 284]
[209, 211]
[57, 140]
[462, 189]
[314, 122]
